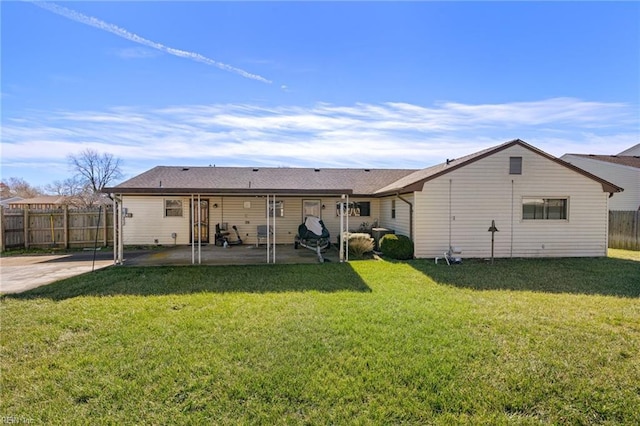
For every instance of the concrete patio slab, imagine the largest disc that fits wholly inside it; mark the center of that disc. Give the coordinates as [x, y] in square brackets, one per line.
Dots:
[22, 273]
[234, 255]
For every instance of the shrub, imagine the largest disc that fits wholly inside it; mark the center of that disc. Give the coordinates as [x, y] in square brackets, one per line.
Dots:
[396, 246]
[360, 243]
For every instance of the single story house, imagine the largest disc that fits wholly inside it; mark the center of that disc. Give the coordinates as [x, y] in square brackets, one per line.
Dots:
[623, 169]
[42, 202]
[5, 202]
[54, 202]
[541, 205]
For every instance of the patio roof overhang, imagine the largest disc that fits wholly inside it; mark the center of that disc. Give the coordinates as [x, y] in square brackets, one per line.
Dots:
[229, 191]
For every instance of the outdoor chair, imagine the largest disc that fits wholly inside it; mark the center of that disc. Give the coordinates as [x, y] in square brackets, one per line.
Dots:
[262, 234]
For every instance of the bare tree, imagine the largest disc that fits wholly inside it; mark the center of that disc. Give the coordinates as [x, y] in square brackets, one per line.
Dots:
[94, 169]
[68, 187]
[18, 187]
[75, 191]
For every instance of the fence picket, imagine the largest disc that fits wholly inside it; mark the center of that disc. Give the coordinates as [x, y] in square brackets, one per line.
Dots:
[59, 228]
[624, 230]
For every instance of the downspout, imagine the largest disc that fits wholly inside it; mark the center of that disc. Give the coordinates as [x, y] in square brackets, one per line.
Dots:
[410, 215]
[512, 213]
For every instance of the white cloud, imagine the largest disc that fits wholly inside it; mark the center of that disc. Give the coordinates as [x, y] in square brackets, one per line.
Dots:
[121, 32]
[395, 135]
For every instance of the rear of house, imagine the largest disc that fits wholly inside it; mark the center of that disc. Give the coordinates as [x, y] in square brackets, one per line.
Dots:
[166, 219]
[542, 206]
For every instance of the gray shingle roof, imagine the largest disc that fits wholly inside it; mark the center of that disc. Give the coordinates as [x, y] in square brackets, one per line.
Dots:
[247, 180]
[434, 171]
[416, 180]
[623, 160]
[260, 180]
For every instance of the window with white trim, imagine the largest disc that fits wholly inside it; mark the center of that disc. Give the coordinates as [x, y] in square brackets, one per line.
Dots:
[172, 208]
[545, 208]
[276, 209]
[356, 208]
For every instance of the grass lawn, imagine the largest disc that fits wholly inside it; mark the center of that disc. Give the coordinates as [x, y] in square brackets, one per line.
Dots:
[369, 342]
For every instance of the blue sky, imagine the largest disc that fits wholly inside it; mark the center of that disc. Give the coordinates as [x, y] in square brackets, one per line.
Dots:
[304, 84]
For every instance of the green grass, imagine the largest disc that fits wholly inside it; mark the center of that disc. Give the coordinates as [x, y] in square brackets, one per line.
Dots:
[369, 342]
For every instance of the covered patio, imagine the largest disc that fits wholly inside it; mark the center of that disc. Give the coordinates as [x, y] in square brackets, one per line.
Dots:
[236, 255]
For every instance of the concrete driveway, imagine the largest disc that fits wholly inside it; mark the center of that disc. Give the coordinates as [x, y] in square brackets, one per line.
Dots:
[21, 273]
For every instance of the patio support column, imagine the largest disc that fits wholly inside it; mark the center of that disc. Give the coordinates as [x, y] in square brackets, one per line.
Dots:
[341, 228]
[346, 232]
[271, 227]
[274, 230]
[121, 230]
[193, 237]
[344, 228]
[116, 241]
[268, 236]
[199, 231]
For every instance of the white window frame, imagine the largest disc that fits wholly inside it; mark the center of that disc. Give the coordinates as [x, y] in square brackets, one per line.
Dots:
[545, 202]
[278, 207]
[173, 208]
[353, 209]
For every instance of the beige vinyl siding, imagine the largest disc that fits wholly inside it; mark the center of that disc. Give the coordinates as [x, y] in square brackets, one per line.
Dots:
[625, 177]
[401, 223]
[149, 223]
[457, 209]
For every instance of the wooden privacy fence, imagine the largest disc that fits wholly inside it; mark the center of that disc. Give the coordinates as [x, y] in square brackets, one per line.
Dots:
[624, 230]
[56, 228]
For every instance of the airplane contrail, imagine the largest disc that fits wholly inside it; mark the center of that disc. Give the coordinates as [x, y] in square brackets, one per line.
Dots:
[121, 32]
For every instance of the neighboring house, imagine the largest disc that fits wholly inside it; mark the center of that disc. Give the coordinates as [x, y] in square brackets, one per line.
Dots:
[6, 201]
[48, 202]
[42, 202]
[542, 206]
[634, 150]
[622, 169]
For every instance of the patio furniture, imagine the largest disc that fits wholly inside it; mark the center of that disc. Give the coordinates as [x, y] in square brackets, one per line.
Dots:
[263, 233]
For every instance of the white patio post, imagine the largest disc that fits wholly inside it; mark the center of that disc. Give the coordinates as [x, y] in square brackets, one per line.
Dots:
[115, 233]
[268, 236]
[193, 242]
[117, 236]
[274, 230]
[346, 231]
[121, 231]
[340, 239]
[199, 231]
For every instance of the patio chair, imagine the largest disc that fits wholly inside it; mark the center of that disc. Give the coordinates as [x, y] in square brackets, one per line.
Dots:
[262, 234]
